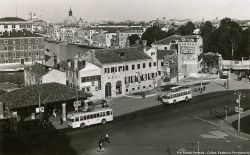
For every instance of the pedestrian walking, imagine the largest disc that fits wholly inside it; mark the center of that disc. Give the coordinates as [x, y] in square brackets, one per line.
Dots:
[100, 145]
[61, 120]
[107, 138]
[204, 88]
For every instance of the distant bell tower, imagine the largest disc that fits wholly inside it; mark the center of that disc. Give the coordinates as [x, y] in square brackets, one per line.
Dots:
[70, 11]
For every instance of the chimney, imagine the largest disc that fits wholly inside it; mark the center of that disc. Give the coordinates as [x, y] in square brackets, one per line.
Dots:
[76, 59]
[92, 55]
[55, 60]
[144, 43]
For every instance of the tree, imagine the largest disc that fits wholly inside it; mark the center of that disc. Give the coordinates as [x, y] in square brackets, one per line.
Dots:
[153, 34]
[207, 32]
[133, 39]
[187, 29]
[229, 38]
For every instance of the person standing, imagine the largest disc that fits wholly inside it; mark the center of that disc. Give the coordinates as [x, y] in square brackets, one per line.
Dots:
[61, 120]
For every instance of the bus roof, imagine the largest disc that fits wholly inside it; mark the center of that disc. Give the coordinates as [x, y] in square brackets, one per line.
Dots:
[88, 112]
[176, 87]
[181, 90]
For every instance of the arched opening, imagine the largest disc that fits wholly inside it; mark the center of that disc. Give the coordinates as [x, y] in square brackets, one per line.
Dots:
[108, 90]
[118, 87]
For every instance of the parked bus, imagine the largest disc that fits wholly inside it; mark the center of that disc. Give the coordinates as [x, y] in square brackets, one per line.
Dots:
[83, 119]
[177, 96]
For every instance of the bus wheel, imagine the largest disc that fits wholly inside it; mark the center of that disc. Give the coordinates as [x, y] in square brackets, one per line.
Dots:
[103, 121]
[174, 101]
[186, 98]
[82, 125]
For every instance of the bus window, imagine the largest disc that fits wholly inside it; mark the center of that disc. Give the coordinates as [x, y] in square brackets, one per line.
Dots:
[94, 115]
[97, 115]
[77, 118]
[103, 114]
[108, 113]
[111, 112]
[70, 119]
[85, 117]
[81, 118]
[100, 114]
[91, 116]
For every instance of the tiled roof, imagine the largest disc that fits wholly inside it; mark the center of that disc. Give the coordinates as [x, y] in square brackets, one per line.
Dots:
[12, 19]
[19, 34]
[167, 41]
[121, 55]
[50, 93]
[38, 69]
[64, 63]
[162, 53]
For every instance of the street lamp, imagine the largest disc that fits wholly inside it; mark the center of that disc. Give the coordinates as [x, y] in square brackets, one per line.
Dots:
[239, 109]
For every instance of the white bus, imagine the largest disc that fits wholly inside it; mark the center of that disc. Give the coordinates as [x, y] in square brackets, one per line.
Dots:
[82, 119]
[177, 96]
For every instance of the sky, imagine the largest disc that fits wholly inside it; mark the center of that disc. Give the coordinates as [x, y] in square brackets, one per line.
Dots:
[120, 10]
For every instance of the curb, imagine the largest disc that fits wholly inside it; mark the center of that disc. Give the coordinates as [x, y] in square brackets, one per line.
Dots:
[223, 126]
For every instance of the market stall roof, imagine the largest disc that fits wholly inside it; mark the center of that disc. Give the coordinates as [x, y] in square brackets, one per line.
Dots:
[49, 94]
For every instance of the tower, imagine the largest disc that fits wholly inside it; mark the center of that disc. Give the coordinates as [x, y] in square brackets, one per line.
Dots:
[70, 11]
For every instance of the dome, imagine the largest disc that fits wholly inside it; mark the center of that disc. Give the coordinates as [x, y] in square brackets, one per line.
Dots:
[70, 20]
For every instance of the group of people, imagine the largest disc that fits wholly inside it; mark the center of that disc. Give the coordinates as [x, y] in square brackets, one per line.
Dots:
[102, 140]
[200, 89]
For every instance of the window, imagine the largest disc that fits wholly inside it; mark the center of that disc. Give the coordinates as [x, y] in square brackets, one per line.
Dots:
[126, 90]
[91, 116]
[29, 40]
[143, 65]
[77, 118]
[5, 42]
[97, 115]
[113, 69]
[21, 48]
[5, 26]
[162, 63]
[14, 60]
[87, 116]
[154, 63]
[126, 67]
[133, 67]
[152, 53]
[149, 64]
[37, 41]
[106, 70]
[37, 53]
[138, 66]
[13, 26]
[133, 88]
[29, 47]
[21, 41]
[14, 42]
[81, 118]
[14, 54]
[103, 114]
[120, 68]
[5, 48]
[108, 113]
[29, 54]
[139, 88]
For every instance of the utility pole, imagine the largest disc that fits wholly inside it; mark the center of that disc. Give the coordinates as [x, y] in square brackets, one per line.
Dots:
[239, 109]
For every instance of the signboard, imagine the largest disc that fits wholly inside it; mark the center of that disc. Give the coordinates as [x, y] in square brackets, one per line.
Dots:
[226, 108]
[187, 50]
[77, 103]
[237, 109]
[41, 109]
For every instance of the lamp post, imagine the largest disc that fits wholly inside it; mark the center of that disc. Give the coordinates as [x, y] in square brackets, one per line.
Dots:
[239, 109]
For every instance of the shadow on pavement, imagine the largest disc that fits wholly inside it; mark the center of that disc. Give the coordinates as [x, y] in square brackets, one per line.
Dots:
[31, 139]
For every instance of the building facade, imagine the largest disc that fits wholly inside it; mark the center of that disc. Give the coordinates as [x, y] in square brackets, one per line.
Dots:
[188, 48]
[39, 73]
[14, 23]
[124, 70]
[21, 47]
